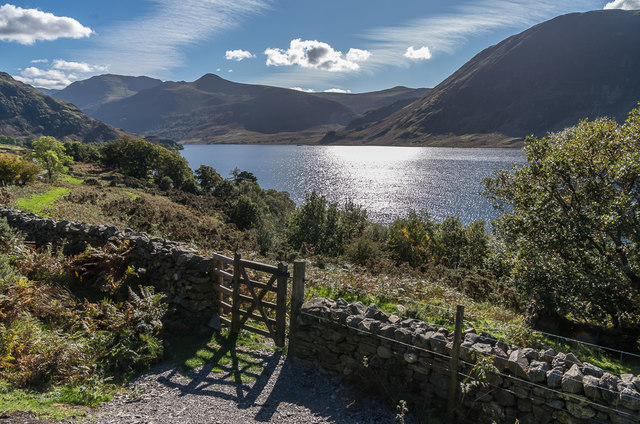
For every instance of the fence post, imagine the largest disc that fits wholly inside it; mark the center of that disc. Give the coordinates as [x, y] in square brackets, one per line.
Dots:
[281, 309]
[297, 298]
[220, 281]
[235, 306]
[455, 356]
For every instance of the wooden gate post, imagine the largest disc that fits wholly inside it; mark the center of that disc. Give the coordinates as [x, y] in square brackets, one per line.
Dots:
[235, 305]
[297, 298]
[281, 308]
[220, 281]
[455, 356]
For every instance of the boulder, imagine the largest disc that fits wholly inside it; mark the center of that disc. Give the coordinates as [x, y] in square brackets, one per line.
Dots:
[538, 371]
[589, 369]
[630, 398]
[608, 385]
[518, 363]
[572, 380]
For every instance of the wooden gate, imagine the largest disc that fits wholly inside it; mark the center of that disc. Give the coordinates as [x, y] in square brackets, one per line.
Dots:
[254, 294]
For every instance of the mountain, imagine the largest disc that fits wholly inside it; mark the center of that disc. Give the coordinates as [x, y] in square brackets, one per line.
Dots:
[212, 109]
[361, 103]
[26, 112]
[94, 92]
[576, 66]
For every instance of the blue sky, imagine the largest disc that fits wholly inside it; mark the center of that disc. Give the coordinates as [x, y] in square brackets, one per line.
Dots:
[347, 45]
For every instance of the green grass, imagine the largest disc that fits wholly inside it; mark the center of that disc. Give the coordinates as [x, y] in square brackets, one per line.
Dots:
[11, 148]
[223, 354]
[38, 203]
[132, 195]
[44, 405]
[71, 180]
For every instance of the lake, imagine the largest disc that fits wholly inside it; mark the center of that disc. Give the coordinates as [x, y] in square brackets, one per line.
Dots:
[387, 181]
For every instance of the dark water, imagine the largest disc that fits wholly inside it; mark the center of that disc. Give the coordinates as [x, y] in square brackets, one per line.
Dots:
[387, 181]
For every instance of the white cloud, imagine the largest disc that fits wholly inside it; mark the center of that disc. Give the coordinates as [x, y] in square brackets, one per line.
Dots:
[230, 70]
[238, 55]
[316, 54]
[305, 90]
[51, 78]
[337, 90]
[40, 61]
[77, 66]
[447, 32]
[155, 43]
[26, 26]
[423, 53]
[60, 74]
[358, 55]
[623, 4]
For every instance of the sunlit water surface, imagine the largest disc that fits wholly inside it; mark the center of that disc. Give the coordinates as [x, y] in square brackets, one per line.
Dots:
[387, 181]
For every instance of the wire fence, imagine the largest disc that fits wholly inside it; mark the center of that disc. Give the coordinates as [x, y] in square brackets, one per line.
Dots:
[612, 360]
[473, 374]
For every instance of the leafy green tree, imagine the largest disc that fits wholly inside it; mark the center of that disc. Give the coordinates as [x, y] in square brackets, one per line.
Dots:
[241, 176]
[409, 239]
[50, 153]
[571, 222]
[134, 157]
[308, 221]
[207, 177]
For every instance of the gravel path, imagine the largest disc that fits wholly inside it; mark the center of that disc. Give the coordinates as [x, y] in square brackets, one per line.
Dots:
[283, 393]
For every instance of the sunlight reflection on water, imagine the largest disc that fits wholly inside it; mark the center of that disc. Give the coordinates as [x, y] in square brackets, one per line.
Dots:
[387, 181]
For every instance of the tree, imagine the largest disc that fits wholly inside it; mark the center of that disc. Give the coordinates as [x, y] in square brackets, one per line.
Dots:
[50, 153]
[410, 238]
[571, 222]
[207, 177]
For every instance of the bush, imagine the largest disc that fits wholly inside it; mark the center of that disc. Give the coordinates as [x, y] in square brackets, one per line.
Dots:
[569, 222]
[15, 170]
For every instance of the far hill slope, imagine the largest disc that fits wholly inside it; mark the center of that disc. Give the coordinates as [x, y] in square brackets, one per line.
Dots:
[362, 103]
[92, 93]
[576, 66]
[25, 112]
[212, 109]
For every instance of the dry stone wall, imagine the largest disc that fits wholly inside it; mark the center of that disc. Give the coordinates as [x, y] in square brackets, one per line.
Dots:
[409, 359]
[173, 268]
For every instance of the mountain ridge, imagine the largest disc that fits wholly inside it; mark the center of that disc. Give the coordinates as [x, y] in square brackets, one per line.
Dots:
[552, 75]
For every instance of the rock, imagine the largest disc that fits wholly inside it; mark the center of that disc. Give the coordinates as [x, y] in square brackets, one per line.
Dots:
[608, 385]
[354, 320]
[588, 369]
[384, 352]
[636, 383]
[572, 380]
[504, 398]
[554, 378]
[403, 335]
[402, 310]
[438, 343]
[559, 361]
[530, 354]
[410, 358]
[394, 319]
[357, 308]
[547, 355]
[630, 398]
[518, 363]
[579, 410]
[590, 384]
[571, 359]
[472, 338]
[538, 371]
